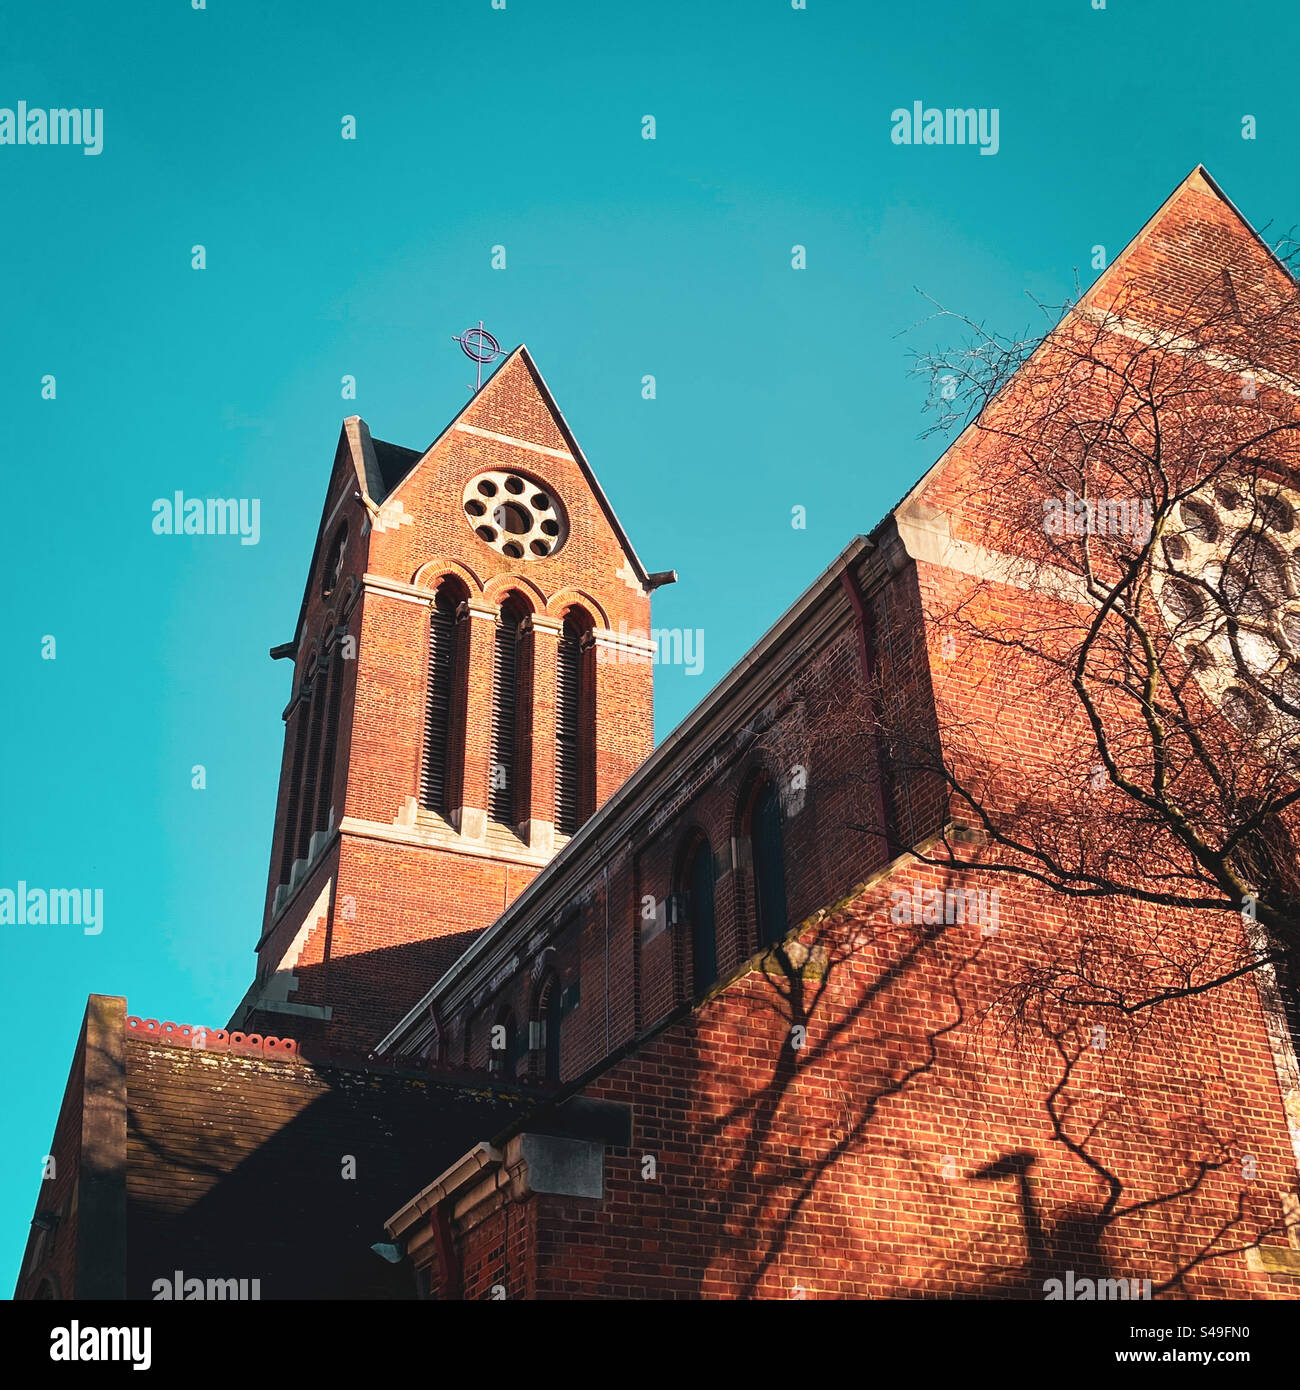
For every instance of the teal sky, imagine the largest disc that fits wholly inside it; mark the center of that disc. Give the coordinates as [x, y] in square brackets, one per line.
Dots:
[625, 257]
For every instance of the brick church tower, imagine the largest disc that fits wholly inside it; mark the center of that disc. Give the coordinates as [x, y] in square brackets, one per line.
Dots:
[472, 678]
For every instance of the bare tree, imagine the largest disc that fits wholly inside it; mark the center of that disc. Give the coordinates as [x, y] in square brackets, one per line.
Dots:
[1135, 473]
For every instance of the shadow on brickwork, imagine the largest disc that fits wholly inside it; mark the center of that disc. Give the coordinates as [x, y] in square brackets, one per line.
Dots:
[285, 1172]
[368, 992]
[871, 1197]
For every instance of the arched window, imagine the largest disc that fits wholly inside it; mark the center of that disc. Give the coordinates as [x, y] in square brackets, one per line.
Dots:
[319, 695]
[438, 757]
[574, 711]
[503, 1047]
[506, 669]
[289, 837]
[333, 570]
[699, 880]
[325, 790]
[769, 865]
[549, 1025]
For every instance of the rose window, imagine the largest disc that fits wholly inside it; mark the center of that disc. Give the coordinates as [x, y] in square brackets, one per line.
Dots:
[515, 515]
[1234, 548]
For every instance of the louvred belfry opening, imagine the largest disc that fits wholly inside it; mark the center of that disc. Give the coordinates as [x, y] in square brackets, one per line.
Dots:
[325, 790]
[568, 730]
[505, 716]
[575, 715]
[289, 843]
[436, 760]
[311, 772]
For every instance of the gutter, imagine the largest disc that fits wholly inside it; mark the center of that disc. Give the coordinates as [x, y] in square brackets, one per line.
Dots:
[461, 1173]
[432, 1200]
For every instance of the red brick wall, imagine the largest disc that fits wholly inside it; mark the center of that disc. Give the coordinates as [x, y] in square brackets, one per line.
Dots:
[852, 1167]
[908, 1147]
[497, 1255]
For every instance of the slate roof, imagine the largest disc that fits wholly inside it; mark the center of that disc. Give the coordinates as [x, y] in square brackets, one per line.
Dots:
[237, 1165]
[395, 462]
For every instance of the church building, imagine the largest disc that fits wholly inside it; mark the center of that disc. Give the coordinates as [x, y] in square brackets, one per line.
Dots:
[540, 1010]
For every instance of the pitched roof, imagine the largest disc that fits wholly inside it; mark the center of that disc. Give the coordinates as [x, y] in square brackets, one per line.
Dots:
[521, 353]
[381, 468]
[237, 1166]
[394, 463]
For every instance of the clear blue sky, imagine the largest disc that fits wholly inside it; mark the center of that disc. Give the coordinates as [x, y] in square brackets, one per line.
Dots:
[475, 127]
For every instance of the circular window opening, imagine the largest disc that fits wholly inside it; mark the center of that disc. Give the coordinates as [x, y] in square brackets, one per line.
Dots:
[518, 516]
[1182, 600]
[1266, 565]
[1244, 710]
[1176, 547]
[1290, 685]
[1228, 497]
[1241, 595]
[1275, 513]
[1199, 521]
[513, 518]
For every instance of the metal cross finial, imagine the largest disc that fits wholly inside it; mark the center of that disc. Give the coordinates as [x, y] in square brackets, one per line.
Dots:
[479, 346]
